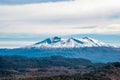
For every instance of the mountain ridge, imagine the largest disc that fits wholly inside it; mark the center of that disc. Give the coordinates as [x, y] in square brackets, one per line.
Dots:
[58, 42]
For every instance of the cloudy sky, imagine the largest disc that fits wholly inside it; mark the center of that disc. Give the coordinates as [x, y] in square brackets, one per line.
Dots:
[23, 22]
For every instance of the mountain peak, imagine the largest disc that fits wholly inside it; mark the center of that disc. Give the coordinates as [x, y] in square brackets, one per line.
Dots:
[53, 39]
[58, 42]
[50, 40]
[87, 38]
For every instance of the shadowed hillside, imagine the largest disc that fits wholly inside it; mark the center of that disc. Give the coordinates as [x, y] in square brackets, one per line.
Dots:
[110, 72]
[21, 67]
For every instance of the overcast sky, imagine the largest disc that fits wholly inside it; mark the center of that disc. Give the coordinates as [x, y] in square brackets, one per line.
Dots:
[59, 17]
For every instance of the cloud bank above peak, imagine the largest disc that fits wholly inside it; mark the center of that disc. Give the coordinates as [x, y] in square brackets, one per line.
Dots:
[67, 17]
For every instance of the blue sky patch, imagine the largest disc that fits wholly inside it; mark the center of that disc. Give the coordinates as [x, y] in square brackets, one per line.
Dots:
[9, 2]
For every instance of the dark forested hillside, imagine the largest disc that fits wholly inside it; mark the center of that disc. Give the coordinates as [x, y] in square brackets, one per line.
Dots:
[48, 66]
[109, 72]
[56, 68]
[11, 62]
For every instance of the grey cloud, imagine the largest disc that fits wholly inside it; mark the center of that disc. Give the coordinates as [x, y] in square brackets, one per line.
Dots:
[85, 27]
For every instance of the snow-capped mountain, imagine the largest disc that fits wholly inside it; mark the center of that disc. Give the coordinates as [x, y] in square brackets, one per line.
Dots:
[86, 48]
[58, 42]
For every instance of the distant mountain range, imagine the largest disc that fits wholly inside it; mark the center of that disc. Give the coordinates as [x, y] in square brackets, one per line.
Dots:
[86, 48]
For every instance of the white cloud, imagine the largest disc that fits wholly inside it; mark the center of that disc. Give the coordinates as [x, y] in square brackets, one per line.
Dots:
[61, 17]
